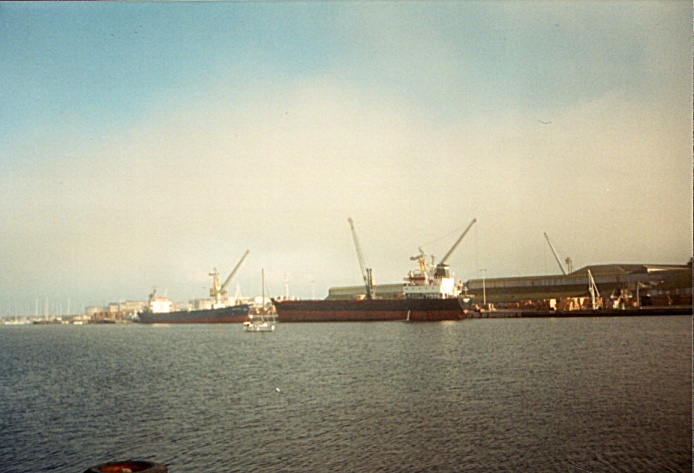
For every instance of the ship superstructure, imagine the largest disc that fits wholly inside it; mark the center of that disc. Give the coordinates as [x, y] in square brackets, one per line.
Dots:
[219, 310]
[431, 281]
[429, 294]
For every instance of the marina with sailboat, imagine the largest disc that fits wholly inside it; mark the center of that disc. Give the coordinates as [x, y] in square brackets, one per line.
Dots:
[265, 319]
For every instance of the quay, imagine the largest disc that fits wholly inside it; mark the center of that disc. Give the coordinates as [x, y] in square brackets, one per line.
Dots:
[560, 314]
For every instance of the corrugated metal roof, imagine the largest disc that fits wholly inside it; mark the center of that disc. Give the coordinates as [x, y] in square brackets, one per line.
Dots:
[614, 269]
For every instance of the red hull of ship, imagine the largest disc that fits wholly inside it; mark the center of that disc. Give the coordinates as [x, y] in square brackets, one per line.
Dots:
[414, 310]
[434, 310]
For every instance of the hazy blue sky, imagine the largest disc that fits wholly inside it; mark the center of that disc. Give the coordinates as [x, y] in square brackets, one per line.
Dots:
[144, 144]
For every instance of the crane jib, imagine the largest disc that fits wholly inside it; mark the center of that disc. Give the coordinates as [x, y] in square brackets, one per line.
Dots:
[228, 280]
[365, 272]
[457, 243]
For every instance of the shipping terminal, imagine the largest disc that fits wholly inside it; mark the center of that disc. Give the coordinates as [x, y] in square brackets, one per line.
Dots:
[430, 292]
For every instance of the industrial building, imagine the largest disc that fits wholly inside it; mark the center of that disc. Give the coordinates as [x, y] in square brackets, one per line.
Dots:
[646, 284]
[640, 284]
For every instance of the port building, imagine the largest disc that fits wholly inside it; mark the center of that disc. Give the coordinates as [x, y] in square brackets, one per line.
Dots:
[647, 284]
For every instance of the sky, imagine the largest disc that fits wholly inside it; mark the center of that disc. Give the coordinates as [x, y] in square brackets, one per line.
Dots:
[143, 145]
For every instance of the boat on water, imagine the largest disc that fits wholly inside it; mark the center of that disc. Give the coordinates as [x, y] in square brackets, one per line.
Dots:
[222, 315]
[258, 326]
[372, 310]
[430, 293]
[263, 322]
[219, 310]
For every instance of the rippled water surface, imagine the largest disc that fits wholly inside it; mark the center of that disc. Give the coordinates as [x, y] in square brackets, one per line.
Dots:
[597, 395]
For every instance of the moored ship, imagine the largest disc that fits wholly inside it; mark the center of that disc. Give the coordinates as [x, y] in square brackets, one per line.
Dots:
[220, 311]
[430, 293]
[372, 310]
[222, 315]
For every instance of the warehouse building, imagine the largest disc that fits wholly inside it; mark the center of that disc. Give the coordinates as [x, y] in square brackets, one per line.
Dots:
[643, 284]
[633, 284]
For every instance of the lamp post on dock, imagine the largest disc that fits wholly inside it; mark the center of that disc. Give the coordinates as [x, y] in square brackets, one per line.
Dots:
[484, 287]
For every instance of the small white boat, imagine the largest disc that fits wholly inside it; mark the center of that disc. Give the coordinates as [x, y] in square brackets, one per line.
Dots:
[261, 324]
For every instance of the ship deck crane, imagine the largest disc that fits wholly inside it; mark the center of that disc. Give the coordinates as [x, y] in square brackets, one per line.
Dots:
[217, 291]
[421, 258]
[423, 276]
[437, 282]
[442, 267]
[365, 272]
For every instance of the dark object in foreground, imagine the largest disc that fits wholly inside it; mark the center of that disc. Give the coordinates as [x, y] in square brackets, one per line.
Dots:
[130, 466]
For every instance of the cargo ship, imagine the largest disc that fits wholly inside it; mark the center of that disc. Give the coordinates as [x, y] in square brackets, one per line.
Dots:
[372, 310]
[222, 315]
[219, 311]
[430, 293]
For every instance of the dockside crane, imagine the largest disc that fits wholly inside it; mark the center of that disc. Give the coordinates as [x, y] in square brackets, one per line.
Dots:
[217, 291]
[365, 272]
[593, 289]
[556, 256]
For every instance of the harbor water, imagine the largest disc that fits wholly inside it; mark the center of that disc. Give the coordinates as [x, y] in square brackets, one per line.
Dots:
[570, 395]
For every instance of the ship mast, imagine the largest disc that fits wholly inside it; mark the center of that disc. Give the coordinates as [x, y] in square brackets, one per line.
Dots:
[262, 290]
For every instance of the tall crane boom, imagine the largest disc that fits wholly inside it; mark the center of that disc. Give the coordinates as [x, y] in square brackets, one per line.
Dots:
[218, 290]
[233, 273]
[365, 272]
[556, 256]
[457, 243]
[360, 257]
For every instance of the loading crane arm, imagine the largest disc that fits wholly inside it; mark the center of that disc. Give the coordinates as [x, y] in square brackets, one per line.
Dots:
[224, 286]
[360, 257]
[457, 243]
[556, 256]
[365, 273]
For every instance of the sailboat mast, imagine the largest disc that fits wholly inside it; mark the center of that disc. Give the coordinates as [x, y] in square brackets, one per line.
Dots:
[262, 274]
